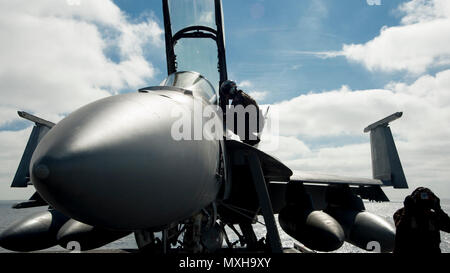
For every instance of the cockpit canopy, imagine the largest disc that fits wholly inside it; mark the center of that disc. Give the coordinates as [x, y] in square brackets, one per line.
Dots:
[194, 82]
[195, 38]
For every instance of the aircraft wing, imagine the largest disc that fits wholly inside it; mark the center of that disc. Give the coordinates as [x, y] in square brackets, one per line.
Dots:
[316, 185]
[316, 178]
[273, 169]
[366, 188]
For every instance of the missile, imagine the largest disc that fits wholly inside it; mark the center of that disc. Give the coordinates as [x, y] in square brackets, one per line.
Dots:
[35, 232]
[86, 236]
[315, 229]
[114, 163]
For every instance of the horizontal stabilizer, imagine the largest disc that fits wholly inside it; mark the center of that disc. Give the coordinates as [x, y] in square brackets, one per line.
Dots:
[371, 193]
[41, 128]
[34, 201]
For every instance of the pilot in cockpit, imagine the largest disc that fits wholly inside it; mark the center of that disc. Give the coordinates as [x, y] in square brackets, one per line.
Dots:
[229, 91]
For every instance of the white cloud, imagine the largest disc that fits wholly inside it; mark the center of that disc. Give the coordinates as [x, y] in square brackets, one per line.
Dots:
[322, 114]
[290, 148]
[258, 95]
[413, 48]
[319, 54]
[422, 135]
[418, 11]
[12, 145]
[7, 115]
[54, 55]
[373, 2]
[206, 18]
[55, 59]
[418, 44]
[250, 89]
[245, 84]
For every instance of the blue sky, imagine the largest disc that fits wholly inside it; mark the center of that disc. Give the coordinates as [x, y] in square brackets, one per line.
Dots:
[263, 36]
[328, 67]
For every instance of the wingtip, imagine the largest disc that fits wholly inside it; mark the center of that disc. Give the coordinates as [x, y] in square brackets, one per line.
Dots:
[383, 122]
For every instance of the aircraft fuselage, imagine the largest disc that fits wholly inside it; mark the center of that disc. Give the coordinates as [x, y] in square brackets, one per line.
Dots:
[114, 164]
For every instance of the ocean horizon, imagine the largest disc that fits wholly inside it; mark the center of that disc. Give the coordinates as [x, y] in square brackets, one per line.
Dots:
[385, 210]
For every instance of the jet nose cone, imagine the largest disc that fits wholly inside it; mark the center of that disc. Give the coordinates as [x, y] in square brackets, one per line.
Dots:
[114, 164]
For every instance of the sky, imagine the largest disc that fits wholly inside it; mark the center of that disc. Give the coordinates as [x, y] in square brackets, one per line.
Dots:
[328, 67]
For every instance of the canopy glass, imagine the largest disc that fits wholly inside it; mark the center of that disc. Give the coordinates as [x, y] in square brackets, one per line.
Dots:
[194, 38]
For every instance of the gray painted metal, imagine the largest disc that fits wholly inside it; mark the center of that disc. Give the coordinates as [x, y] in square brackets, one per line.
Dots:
[221, 42]
[170, 52]
[114, 164]
[317, 192]
[273, 169]
[22, 176]
[383, 122]
[386, 164]
[88, 237]
[35, 119]
[362, 227]
[34, 232]
[398, 178]
[264, 201]
[34, 201]
[369, 227]
[381, 167]
[315, 229]
[165, 88]
[307, 177]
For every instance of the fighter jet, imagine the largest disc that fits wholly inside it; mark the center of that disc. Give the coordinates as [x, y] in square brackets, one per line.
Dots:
[113, 168]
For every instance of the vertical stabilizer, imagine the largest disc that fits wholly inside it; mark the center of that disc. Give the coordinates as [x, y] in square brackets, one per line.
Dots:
[41, 128]
[386, 164]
